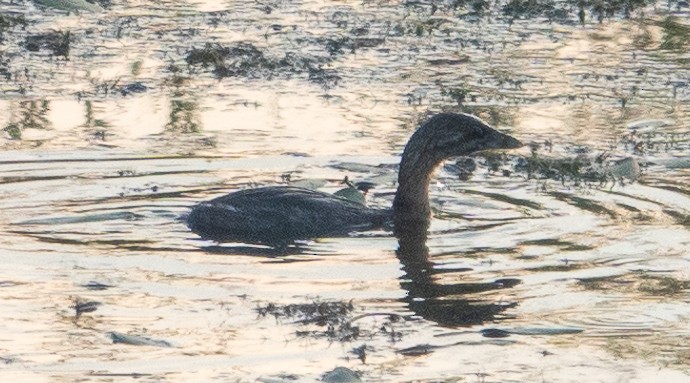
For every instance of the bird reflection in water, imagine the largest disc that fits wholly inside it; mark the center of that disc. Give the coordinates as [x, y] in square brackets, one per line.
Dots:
[280, 215]
[445, 304]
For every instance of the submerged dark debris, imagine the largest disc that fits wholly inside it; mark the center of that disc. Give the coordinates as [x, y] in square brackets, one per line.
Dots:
[314, 312]
[347, 44]
[331, 320]
[662, 285]
[582, 167]
[58, 42]
[578, 168]
[246, 60]
[81, 307]
[8, 22]
[32, 115]
[96, 286]
[565, 11]
[4, 68]
[536, 8]
[650, 284]
[103, 3]
[669, 349]
[334, 316]
[137, 340]
[565, 267]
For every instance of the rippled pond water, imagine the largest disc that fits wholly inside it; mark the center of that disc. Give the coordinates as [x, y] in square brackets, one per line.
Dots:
[564, 261]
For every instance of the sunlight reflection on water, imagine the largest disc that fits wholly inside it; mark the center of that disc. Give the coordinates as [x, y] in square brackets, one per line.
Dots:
[97, 170]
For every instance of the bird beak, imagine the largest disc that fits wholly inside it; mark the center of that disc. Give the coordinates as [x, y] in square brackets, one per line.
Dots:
[503, 141]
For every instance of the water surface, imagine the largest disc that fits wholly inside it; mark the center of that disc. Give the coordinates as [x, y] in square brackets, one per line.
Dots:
[530, 277]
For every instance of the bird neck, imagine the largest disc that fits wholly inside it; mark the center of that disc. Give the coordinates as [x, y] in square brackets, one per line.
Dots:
[411, 204]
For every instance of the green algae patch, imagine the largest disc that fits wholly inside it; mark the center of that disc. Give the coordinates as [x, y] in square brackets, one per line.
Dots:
[676, 34]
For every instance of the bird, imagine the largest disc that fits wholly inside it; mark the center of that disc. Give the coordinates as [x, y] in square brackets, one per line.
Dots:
[278, 216]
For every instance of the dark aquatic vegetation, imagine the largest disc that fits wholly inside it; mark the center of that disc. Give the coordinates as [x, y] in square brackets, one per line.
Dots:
[58, 42]
[73, 5]
[464, 167]
[34, 115]
[676, 34]
[335, 321]
[246, 60]
[279, 215]
[135, 87]
[7, 22]
[564, 11]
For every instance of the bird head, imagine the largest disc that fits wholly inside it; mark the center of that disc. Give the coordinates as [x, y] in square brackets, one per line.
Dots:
[452, 134]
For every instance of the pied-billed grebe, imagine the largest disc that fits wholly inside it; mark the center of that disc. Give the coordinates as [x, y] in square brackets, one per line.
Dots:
[279, 215]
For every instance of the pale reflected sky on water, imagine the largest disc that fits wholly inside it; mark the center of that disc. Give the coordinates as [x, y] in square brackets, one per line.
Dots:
[103, 151]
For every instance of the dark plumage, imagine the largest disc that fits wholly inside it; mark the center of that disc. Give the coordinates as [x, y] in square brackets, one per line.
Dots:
[279, 215]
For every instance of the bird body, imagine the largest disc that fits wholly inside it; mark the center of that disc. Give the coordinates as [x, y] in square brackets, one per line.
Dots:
[279, 215]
